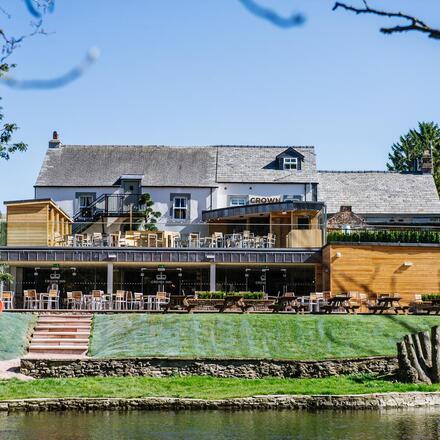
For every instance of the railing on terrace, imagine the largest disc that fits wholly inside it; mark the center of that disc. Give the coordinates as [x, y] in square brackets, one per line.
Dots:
[386, 235]
[110, 204]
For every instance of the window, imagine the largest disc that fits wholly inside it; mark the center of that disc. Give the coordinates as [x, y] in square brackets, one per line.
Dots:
[180, 208]
[238, 201]
[290, 163]
[85, 199]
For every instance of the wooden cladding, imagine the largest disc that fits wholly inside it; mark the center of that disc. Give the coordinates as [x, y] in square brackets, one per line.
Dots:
[379, 269]
[36, 223]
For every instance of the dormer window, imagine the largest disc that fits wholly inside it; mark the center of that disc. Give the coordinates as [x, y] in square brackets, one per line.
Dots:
[290, 163]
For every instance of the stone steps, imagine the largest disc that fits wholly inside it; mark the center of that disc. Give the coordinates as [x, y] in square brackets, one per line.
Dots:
[60, 335]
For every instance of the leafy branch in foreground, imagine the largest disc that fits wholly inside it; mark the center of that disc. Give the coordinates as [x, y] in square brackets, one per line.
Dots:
[413, 23]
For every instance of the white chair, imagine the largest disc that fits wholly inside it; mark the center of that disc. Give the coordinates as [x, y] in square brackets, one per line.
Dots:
[30, 299]
[77, 299]
[52, 300]
[97, 300]
[161, 298]
[137, 301]
[7, 299]
[120, 300]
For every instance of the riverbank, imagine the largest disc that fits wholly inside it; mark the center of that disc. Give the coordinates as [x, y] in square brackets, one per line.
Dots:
[201, 387]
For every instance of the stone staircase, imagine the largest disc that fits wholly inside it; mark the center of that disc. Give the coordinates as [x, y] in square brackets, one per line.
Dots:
[61, 335]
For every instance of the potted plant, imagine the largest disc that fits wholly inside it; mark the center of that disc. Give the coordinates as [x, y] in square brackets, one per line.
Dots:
[149, 216]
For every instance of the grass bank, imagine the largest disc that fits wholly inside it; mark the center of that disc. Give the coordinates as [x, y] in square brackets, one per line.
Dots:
[252, 336]
[199, 387]
[14, 333]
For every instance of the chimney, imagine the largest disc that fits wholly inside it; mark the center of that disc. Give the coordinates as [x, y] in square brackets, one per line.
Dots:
[54, 142]
[427, 167]
[345, 209]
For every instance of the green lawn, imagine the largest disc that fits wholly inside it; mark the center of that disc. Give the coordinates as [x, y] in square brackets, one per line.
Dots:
[14, 331]
[247, 336]
[198, 387]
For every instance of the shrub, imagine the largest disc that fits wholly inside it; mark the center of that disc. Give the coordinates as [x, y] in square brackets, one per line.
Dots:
[211, 295]
[384, 236]
[430, 297]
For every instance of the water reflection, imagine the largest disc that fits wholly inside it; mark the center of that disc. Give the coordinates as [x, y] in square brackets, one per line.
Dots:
[418, 424]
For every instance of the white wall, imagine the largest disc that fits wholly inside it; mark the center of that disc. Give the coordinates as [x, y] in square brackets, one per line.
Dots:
[200, 200]
[226, 190]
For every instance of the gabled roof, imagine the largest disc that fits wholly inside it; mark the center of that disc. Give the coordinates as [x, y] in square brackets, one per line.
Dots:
[103, 165]
[378, 192]
[290, 152]
[260, 165]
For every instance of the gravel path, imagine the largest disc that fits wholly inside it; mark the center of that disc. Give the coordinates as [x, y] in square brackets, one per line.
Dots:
[11, 370]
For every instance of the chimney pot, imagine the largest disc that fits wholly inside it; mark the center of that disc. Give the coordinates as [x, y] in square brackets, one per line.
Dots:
[55, 141]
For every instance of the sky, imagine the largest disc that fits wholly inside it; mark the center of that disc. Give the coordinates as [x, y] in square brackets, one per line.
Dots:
[205, 72]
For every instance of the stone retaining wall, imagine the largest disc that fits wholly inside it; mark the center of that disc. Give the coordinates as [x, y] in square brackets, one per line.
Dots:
[344, 402]
[238, 368]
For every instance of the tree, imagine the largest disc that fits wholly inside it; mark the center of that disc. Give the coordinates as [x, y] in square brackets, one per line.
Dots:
[411, 23]
[406, 155]
[419, 357]
[148, 215]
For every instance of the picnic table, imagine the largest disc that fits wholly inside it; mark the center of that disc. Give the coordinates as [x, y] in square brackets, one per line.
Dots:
[338, 302]
[231, 301]
[190, 303]
[388, 302]
[287, 303]
[176, 302]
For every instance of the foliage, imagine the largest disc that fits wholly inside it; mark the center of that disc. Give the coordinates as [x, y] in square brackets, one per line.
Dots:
[266, 336]
[5, 277]
[3, 231]
[384, 236]
[221, 295]
[149, 215]
[200, 387]
[406, 154]
[7, 130]
[430, 297]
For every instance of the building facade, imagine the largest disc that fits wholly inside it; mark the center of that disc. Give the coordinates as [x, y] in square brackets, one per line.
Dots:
[229, 218]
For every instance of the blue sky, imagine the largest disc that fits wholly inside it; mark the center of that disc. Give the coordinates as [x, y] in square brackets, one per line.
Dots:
[199, 72]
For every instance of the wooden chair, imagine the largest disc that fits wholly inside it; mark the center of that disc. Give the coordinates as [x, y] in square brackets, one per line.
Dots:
[270, 240]
[30, 299]
[97, 239]
[77, 299]
[97, 300]
[137, 301]
[161, 298]
[120, 302]
[7, 299]
[194, 240]
[52, 300]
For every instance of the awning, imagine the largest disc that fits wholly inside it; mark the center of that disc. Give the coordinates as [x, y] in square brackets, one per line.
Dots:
[263, 208]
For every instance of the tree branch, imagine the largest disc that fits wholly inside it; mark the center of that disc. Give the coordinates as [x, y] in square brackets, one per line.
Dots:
[414, 23]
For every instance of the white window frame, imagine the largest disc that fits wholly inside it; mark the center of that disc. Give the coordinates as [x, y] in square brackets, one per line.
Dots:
[290, 163]
[238, 200]
[92, 197]
[183, 209]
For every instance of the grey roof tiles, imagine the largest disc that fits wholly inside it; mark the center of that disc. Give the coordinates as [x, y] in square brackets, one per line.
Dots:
[378, 192]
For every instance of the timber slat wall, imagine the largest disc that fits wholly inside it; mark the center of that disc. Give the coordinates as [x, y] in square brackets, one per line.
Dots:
[27, 224]
[36, 223]
[380, 269]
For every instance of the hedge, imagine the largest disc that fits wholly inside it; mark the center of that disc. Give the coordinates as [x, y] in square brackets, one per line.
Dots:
[385, 236]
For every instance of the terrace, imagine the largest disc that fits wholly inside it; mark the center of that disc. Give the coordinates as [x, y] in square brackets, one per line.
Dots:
[115, 221]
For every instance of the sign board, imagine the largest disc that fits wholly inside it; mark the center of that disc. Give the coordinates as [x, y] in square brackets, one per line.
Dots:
[256, 200]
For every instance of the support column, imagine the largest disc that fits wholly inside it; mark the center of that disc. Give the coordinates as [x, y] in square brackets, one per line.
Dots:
[109, 278]
[212, 280]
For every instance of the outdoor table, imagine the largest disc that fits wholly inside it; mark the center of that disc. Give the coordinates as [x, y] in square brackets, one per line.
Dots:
[232, 301]
[176, 302]
[388, 303]
[337, 302]
[285, 303]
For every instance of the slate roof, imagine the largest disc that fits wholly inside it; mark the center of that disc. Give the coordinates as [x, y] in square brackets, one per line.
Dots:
[378, 192]
[258, 165]
[102, 165]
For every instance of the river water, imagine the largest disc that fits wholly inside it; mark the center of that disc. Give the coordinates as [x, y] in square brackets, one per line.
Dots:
[423, 424]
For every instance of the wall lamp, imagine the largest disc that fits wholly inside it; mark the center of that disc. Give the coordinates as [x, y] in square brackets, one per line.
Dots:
[338, 255]
[408, 263]
[210, 257]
